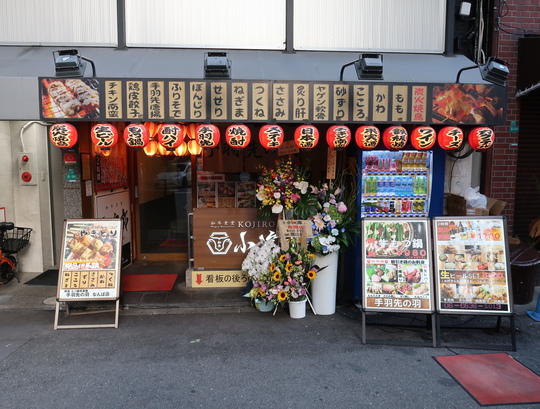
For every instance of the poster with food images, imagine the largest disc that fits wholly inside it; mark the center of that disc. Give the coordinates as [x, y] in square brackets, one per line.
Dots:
[90, 266]
[396, 265]
[472, 274]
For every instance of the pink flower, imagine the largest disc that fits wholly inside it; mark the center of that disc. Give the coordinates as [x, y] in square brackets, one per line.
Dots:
[341, 207]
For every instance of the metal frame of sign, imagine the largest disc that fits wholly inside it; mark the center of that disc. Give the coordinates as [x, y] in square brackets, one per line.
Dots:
[472, 266]
[472, 272]
[396, 267]
[90, 266]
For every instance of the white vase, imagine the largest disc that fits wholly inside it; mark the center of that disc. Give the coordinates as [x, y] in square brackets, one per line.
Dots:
[297, 309]
[324, 285]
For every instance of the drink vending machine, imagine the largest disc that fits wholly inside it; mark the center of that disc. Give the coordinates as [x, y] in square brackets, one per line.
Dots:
[396, 183]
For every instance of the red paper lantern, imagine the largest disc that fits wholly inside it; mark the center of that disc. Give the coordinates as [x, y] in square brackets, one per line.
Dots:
[367, 137]
[63, 135]
[271, 136]
[191, 130]
[338, 136]
[136, 136]
[395, 137]
[481, 138]
[104, 136]
[171, 136]
[152, 129]
[238, 136]
[423, 137]
[450, 138]
[208, 136]
[306, 136]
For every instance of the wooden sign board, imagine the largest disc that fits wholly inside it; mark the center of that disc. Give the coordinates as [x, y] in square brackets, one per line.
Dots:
[90, 263]
[472, 266]
[396, 265]
[223, 237]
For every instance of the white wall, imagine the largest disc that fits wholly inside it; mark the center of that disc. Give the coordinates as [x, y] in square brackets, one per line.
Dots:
[29, 206]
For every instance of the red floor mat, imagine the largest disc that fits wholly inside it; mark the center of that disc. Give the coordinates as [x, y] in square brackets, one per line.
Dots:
[493, 379]
[148, 282]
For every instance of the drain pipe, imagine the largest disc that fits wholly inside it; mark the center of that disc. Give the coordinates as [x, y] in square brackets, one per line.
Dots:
[26, 125]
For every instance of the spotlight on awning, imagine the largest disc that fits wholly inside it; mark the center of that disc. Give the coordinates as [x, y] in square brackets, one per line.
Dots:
[68, 63]
[494, 70]
[217, 65]
[369, 67]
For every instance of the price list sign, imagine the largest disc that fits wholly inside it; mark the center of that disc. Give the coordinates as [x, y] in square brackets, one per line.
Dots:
[90, 268]
[396, 266]
[472, 265]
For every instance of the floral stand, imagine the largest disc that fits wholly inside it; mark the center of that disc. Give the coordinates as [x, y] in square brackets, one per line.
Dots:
[324, 286]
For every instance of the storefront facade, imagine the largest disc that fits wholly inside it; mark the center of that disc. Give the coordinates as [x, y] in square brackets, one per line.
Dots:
[156, 194]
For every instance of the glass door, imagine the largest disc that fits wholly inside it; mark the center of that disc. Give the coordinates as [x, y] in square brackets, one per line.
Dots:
[163, 201]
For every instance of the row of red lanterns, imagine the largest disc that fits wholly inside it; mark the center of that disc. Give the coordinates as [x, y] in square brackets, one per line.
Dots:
[170, 137]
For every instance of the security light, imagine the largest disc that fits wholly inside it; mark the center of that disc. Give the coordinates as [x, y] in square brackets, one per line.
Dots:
[217, 65]
[369, 66]
[68, 63]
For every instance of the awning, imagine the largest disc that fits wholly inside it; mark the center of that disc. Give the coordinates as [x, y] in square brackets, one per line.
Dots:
[20, 68]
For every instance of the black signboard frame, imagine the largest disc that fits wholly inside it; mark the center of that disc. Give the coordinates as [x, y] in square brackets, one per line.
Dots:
[397, 269]
[471, 262]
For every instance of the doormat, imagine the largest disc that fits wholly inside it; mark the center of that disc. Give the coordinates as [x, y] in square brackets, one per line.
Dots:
[148, 282]
[493, 379]
[174, 243]
[47, 278]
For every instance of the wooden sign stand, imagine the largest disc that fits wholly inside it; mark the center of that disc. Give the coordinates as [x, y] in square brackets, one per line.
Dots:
[90, 267]
[116, 310]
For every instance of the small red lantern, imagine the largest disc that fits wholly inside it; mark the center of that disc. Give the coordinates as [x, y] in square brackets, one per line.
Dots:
[63, 135]
[450, 138]
[208, 136]
[152, 129]
[306, 136]
[423, 137]
[367, 137]
[338, 136]
[191, 130]
[171, 136]
[481, 138]
[136, 136]
[271, 136]
[104, 136]
[238, 136]
[395, 137]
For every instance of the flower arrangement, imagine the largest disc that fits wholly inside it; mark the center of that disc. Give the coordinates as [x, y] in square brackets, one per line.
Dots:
[333, 226]
[285, 188]
[285, 276]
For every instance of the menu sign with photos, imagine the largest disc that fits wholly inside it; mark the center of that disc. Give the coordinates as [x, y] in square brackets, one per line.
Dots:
[471, 265]
[396, 265]
[90, 266]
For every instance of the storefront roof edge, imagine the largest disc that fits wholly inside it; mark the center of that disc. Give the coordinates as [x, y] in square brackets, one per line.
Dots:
[246, 65]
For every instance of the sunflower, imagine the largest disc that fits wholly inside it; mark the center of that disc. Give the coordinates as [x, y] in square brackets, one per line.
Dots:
[311, 274]
[282, 295]
[273, 267]
[262, 292]
[277, 275]
[288, 267]
[283, 257]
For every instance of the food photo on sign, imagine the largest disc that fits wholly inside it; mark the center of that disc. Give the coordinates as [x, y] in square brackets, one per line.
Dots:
[396, 266]
[471, 264]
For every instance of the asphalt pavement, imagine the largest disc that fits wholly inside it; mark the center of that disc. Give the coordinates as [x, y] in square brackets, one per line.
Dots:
[222, 353]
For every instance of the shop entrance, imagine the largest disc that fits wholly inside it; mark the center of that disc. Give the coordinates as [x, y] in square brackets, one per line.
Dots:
[162, 205]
